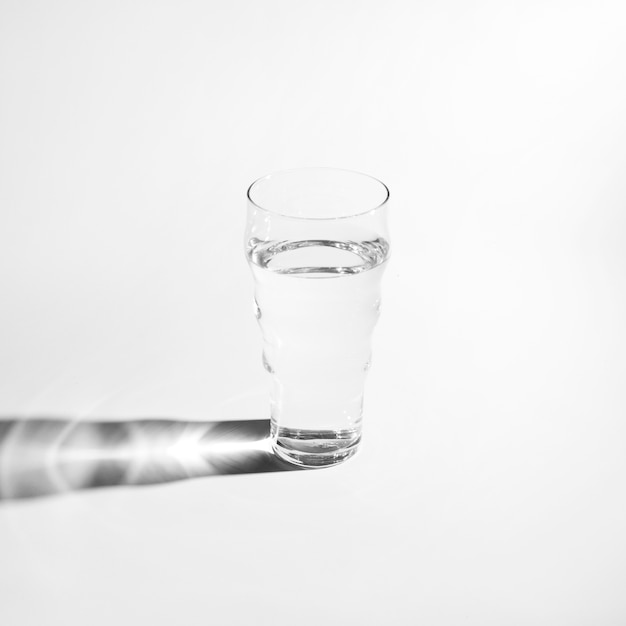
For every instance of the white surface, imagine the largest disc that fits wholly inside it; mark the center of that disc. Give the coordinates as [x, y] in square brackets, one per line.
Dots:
[490, 487]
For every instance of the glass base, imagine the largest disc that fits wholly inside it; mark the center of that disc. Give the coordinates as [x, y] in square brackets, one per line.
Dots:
[314, 448]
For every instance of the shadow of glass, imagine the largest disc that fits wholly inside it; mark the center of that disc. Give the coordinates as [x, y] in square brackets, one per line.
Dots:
[44, 457]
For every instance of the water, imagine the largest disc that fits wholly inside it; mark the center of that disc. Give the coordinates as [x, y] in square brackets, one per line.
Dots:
[317, 302]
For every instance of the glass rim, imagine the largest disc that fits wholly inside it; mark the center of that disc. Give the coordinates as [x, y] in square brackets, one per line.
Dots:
[327, 219]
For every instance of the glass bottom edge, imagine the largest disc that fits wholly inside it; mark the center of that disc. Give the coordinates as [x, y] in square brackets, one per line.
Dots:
[315, 448]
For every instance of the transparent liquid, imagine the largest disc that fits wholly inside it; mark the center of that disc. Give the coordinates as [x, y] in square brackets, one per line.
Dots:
[317, 302]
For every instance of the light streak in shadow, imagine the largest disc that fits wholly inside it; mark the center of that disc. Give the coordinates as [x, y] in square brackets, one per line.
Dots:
[43, 457]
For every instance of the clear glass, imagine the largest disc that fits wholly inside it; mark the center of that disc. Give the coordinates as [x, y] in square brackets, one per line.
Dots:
[317, 243]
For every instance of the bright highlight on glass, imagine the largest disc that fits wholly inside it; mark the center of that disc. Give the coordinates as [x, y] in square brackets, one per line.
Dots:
[316, 240]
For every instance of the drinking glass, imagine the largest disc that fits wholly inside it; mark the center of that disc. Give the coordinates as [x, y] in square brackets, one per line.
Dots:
[316, 241]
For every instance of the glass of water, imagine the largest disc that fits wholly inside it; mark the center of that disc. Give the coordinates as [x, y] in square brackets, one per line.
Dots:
[317, 243]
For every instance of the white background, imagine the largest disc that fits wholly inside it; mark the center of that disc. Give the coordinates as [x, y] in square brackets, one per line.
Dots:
[490, 486]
